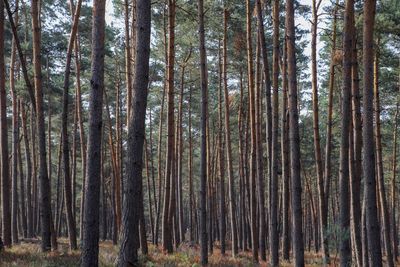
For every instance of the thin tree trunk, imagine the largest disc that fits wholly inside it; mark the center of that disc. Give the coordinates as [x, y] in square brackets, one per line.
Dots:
[231, 182]
[203, 143]
[5, 185]
[356, 174]
[273, 231]
[15, 140]
[380, 172]
[29, 207]
[66, 158]
[285, 159]
[393, 185]
[253, 171]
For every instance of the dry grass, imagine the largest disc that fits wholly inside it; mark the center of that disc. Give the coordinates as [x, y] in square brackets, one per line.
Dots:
[28, 253]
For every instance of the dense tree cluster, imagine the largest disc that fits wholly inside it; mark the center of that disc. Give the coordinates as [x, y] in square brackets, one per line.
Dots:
[262, 126]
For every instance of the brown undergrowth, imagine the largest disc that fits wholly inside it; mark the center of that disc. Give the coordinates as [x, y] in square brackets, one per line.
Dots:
[28, 253]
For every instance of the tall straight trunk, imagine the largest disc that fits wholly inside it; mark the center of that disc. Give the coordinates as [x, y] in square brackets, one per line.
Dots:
[242, 215]
[66, 158]
[394, 234]
[28, 161]
[355, 182]
[273, 231]
[373, 228]
[15, 140]
[90, 250]
[294, 139]
[34, 172]
[133, 200]
[317, 144]
[5, 184]
[203, 139]
[253, 170]
[329, 123]
[22, 189]
[344, 185]
[285, 158]
[128, 58]
[228, 142]
[379, 158]
[82, 138]
[45, 194]
[190, 171]
[179, 151]
[221, 151]
[150, 197]
[169, 175]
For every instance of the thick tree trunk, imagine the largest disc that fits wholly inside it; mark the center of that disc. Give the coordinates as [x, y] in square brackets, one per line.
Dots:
[373, 229]
[169, 174]
[45, 194]
[344, 185]
[294, 139]
[90, 250]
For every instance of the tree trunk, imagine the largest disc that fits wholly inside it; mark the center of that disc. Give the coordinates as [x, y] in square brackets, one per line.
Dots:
[231, 182]
[67, 175]
[285, 159]
[253, 163]
[203, 143]
[379, 158]
[167, 209]
[15, 140]
[345, 248]
[5, 185]
[29, 207]
[294, 138]
[355, 176]
[90, 249]
[393, 185]
[373, 229]
[273, 231]
[45, 194]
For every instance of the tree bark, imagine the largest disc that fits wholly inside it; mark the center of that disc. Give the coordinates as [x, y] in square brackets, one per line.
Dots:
[294, 139]
[90, 249]
[169, 178]
[379, 161]
[203, 142]
[345, 246]
[373, 228]
[66, 158]
[45, 194]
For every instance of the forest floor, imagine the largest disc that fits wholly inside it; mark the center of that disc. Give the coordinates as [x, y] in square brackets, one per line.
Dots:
[28, 254]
